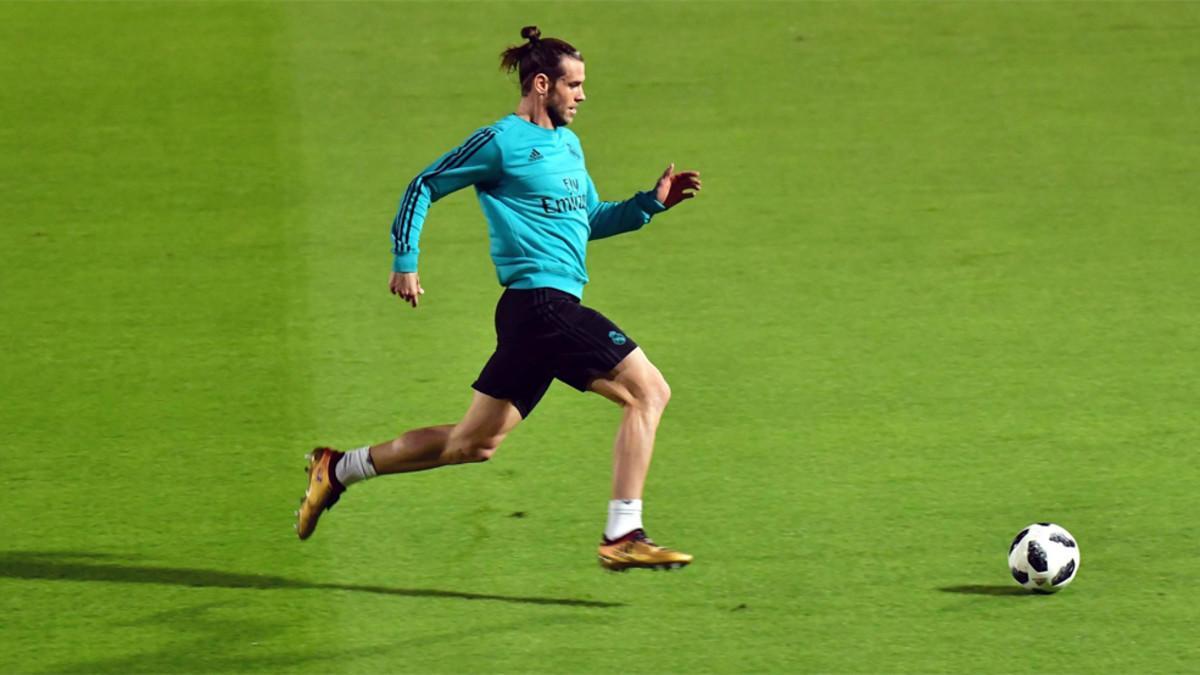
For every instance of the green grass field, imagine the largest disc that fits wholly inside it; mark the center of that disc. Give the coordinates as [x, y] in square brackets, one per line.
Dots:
[942, 282]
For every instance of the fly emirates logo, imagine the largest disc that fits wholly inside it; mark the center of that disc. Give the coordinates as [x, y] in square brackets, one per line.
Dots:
[564, 205]
[576, 202]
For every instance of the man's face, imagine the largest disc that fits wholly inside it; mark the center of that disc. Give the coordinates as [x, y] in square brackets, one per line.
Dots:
[566, 94]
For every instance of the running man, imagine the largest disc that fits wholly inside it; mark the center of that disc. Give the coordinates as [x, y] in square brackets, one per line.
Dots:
[542, 208]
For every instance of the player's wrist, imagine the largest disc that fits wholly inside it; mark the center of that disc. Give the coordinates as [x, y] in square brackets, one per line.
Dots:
[648, 202]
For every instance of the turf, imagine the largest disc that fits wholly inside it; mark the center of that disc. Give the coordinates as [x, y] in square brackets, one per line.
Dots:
[941, 283]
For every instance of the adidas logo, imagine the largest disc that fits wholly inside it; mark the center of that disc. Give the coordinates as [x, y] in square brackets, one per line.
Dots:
[535, 155]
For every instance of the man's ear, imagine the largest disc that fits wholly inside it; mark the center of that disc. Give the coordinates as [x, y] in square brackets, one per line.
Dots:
[541, 83]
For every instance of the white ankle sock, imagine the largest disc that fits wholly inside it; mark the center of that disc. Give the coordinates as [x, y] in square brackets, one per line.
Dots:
[354, 466]
[624, 516]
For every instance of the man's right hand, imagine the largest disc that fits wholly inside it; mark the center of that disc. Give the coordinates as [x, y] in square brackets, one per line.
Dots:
[407, 285]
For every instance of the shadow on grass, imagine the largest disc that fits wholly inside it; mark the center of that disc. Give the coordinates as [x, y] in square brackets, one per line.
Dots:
[1006, 590]
[85, 566]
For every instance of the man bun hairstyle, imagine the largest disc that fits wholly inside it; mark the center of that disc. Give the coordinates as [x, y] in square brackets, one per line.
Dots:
[537, 55]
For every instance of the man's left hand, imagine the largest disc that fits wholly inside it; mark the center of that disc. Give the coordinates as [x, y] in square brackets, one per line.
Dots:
[674, 187]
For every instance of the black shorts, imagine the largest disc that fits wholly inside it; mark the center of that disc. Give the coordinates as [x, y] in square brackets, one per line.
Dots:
[543, 334]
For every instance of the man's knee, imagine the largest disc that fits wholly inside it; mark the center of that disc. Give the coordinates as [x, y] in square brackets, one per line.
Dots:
[479, 434]
[651, 393]
[660, 393]
[479, 453]
[474, 449]
[636, 385]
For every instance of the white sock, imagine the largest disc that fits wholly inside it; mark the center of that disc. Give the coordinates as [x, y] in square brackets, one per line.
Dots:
[354, 466]
[624, 516]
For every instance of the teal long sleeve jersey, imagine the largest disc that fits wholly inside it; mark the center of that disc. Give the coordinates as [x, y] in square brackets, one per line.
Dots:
[541, 206]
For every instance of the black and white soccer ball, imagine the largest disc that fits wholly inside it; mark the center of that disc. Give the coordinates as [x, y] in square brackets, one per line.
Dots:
[1044, 557]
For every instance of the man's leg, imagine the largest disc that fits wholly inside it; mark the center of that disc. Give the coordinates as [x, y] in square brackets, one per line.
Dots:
[640, 389]
[474, 439]
[642, 392]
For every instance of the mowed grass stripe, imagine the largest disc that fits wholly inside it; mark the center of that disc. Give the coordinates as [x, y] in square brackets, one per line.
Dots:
[148, 295]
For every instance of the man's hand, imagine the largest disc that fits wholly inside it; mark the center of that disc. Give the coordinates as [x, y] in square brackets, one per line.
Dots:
[407, 285]
[674, 187]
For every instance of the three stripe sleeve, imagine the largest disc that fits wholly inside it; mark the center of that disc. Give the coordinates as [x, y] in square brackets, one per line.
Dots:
[477, 160]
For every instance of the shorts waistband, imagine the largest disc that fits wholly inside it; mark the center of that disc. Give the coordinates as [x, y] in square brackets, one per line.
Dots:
[538, 295]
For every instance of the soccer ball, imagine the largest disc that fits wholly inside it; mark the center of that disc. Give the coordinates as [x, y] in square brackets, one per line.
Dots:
[1043, 557]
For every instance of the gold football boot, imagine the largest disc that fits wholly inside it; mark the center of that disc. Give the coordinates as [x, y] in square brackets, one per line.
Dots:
[637, 550]
[323, 490]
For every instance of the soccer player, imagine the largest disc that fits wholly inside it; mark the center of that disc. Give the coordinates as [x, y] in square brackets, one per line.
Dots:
[542, 209]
